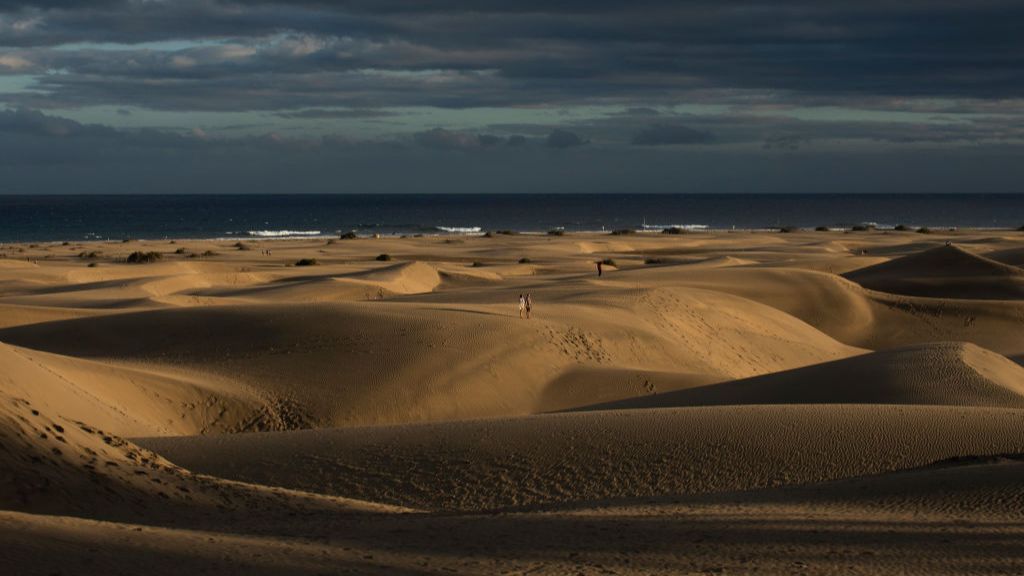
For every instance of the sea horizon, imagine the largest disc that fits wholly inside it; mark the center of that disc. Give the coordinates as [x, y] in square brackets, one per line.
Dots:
[74, 217]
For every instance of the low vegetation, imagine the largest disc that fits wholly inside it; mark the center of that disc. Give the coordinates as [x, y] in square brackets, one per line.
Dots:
[862, 228]
[623, 232]
[608, 262]
[901, 228]
[556, 232]
[651, 260]
[307, 262]
[181, 251]
[789, 229]
[924, 230]
[384, 258]
[242, 246]
[89, 255]
[525, 260]
[674, 230]
[822, 229]
[350, 235]
[139, 257]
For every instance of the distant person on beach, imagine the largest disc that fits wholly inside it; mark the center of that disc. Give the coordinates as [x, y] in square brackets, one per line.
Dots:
[598, 268]
[522, 305]
[529, 305]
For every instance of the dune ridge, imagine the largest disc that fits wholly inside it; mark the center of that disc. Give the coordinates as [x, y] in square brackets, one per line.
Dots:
[940, 374]
[946, 271]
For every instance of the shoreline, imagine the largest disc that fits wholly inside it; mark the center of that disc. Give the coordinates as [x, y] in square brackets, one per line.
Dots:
[633, 232]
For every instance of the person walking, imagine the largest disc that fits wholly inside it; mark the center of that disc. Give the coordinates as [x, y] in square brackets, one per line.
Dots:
[598, 268]
[529, 305]
[522, 306]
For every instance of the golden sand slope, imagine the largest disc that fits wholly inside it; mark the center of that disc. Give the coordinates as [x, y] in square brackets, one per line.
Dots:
[950, 374]
[54, 465]
[948, 272]
[598, 455]
[384, 362]
[854, 315]
[127, 400]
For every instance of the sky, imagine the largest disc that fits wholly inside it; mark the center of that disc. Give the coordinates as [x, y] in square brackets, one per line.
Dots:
[379, 96]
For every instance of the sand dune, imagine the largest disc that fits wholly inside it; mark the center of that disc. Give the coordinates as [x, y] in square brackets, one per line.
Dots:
[951, 519]
[854, 315]
[54, 465]
[1011, 256]
[128, 400]
[947, 272]
[948, 374]
[820, 402]
[385, 362]
[486, 464]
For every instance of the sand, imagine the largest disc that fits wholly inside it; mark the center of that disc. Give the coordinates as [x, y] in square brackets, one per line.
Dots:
[813, 402]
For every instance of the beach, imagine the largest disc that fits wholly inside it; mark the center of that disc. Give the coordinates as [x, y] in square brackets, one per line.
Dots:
[819, 402]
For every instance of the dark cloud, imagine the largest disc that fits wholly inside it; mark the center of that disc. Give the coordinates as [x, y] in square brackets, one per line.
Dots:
[463, 53]
[41, 152]
[668, 134]
[788, 143]
[564, 139]
[324, 113]
[442, 139]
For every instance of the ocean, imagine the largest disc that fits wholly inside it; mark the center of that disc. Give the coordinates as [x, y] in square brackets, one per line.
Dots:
[25, 218]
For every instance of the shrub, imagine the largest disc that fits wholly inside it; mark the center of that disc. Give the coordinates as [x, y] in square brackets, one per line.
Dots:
[525, 260]
[488, 234]
[89, 255]
[307, 262]
[653, 261]
[789, 229]
[863, 228]
[92, 265]
[181, 251]
[510, 233]
[924, 230]
[242, 246]
[901, 228]
[143, 257]
[674, 230]
[623, 232]
[125, 240]
[193, 255]
[65, 243]
[208, 253]
[556, 232]
[384, 258]
[608, 262]
[821, 229]
[478, 264]
[350, 235]
[331, 241]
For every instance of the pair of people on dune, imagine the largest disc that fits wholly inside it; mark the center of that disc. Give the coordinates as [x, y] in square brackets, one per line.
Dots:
[525, 305]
